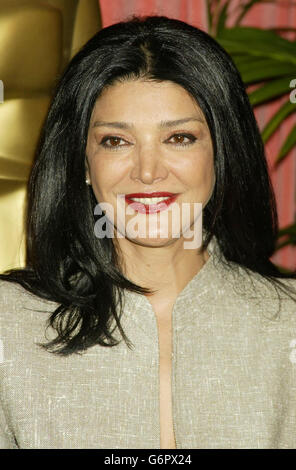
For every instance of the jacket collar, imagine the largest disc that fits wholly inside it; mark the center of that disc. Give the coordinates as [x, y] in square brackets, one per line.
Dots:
[203, 284]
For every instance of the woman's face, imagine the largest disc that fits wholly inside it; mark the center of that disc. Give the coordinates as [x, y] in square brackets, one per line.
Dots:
[147, 137]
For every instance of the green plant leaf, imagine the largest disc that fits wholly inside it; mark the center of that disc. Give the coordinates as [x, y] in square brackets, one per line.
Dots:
[287, 145]
[289, 230]
[288, 242]
[284, 270]
[209, 16]
[279, 29]
[265, 69]
[222, 18]
[245, 8]
[257, 42]
[286, 236]
[271, 90]
[285, 110]
[241, 59]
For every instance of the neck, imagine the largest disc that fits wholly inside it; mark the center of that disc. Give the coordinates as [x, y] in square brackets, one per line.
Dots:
[166, 270]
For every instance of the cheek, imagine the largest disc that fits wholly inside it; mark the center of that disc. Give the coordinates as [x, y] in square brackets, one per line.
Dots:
[210, 171]
[106, 174]
[201, 171]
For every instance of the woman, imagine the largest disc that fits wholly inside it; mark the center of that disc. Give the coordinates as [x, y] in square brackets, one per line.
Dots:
[151, 342]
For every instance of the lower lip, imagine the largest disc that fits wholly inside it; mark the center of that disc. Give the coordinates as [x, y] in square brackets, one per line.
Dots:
[151, 208]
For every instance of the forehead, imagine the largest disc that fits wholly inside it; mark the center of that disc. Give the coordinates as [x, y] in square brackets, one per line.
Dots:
[145, 99]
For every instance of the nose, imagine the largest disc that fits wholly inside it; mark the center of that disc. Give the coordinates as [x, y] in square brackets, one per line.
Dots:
[148, 165]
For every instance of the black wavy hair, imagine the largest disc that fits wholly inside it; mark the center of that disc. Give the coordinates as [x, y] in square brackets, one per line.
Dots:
[66, 263]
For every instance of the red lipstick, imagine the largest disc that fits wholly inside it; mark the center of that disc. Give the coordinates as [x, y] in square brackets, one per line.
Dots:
[150, 208]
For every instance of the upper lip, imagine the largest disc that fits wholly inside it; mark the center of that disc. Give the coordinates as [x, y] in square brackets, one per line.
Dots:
[155, 194]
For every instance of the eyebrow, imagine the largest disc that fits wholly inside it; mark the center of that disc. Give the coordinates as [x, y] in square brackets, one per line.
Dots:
[127, 125]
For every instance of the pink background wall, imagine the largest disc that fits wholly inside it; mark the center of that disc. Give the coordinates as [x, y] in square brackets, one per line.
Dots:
[281, 13]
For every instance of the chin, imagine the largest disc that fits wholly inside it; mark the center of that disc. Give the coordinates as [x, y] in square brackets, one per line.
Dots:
[152, 242]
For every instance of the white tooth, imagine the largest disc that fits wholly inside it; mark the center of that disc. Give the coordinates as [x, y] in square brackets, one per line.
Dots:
[150, 200]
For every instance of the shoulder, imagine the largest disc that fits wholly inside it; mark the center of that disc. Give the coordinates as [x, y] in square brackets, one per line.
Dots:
[239, 288]
[14, 296]
[244, 282]
[251, 283]
[270, 299]
[10, 292]
[20, 309]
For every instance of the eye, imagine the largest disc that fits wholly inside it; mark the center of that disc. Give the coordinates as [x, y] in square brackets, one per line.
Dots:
[182, 139]
[113, 142]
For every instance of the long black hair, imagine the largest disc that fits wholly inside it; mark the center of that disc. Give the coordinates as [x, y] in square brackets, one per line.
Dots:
[66, 263]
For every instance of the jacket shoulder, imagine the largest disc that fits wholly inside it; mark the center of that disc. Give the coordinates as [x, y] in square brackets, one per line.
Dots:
[17, 305]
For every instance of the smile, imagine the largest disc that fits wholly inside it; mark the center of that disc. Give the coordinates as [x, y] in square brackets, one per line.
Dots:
[152, 203]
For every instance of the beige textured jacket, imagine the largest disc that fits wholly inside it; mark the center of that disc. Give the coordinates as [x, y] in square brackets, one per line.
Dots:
[233, 372]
